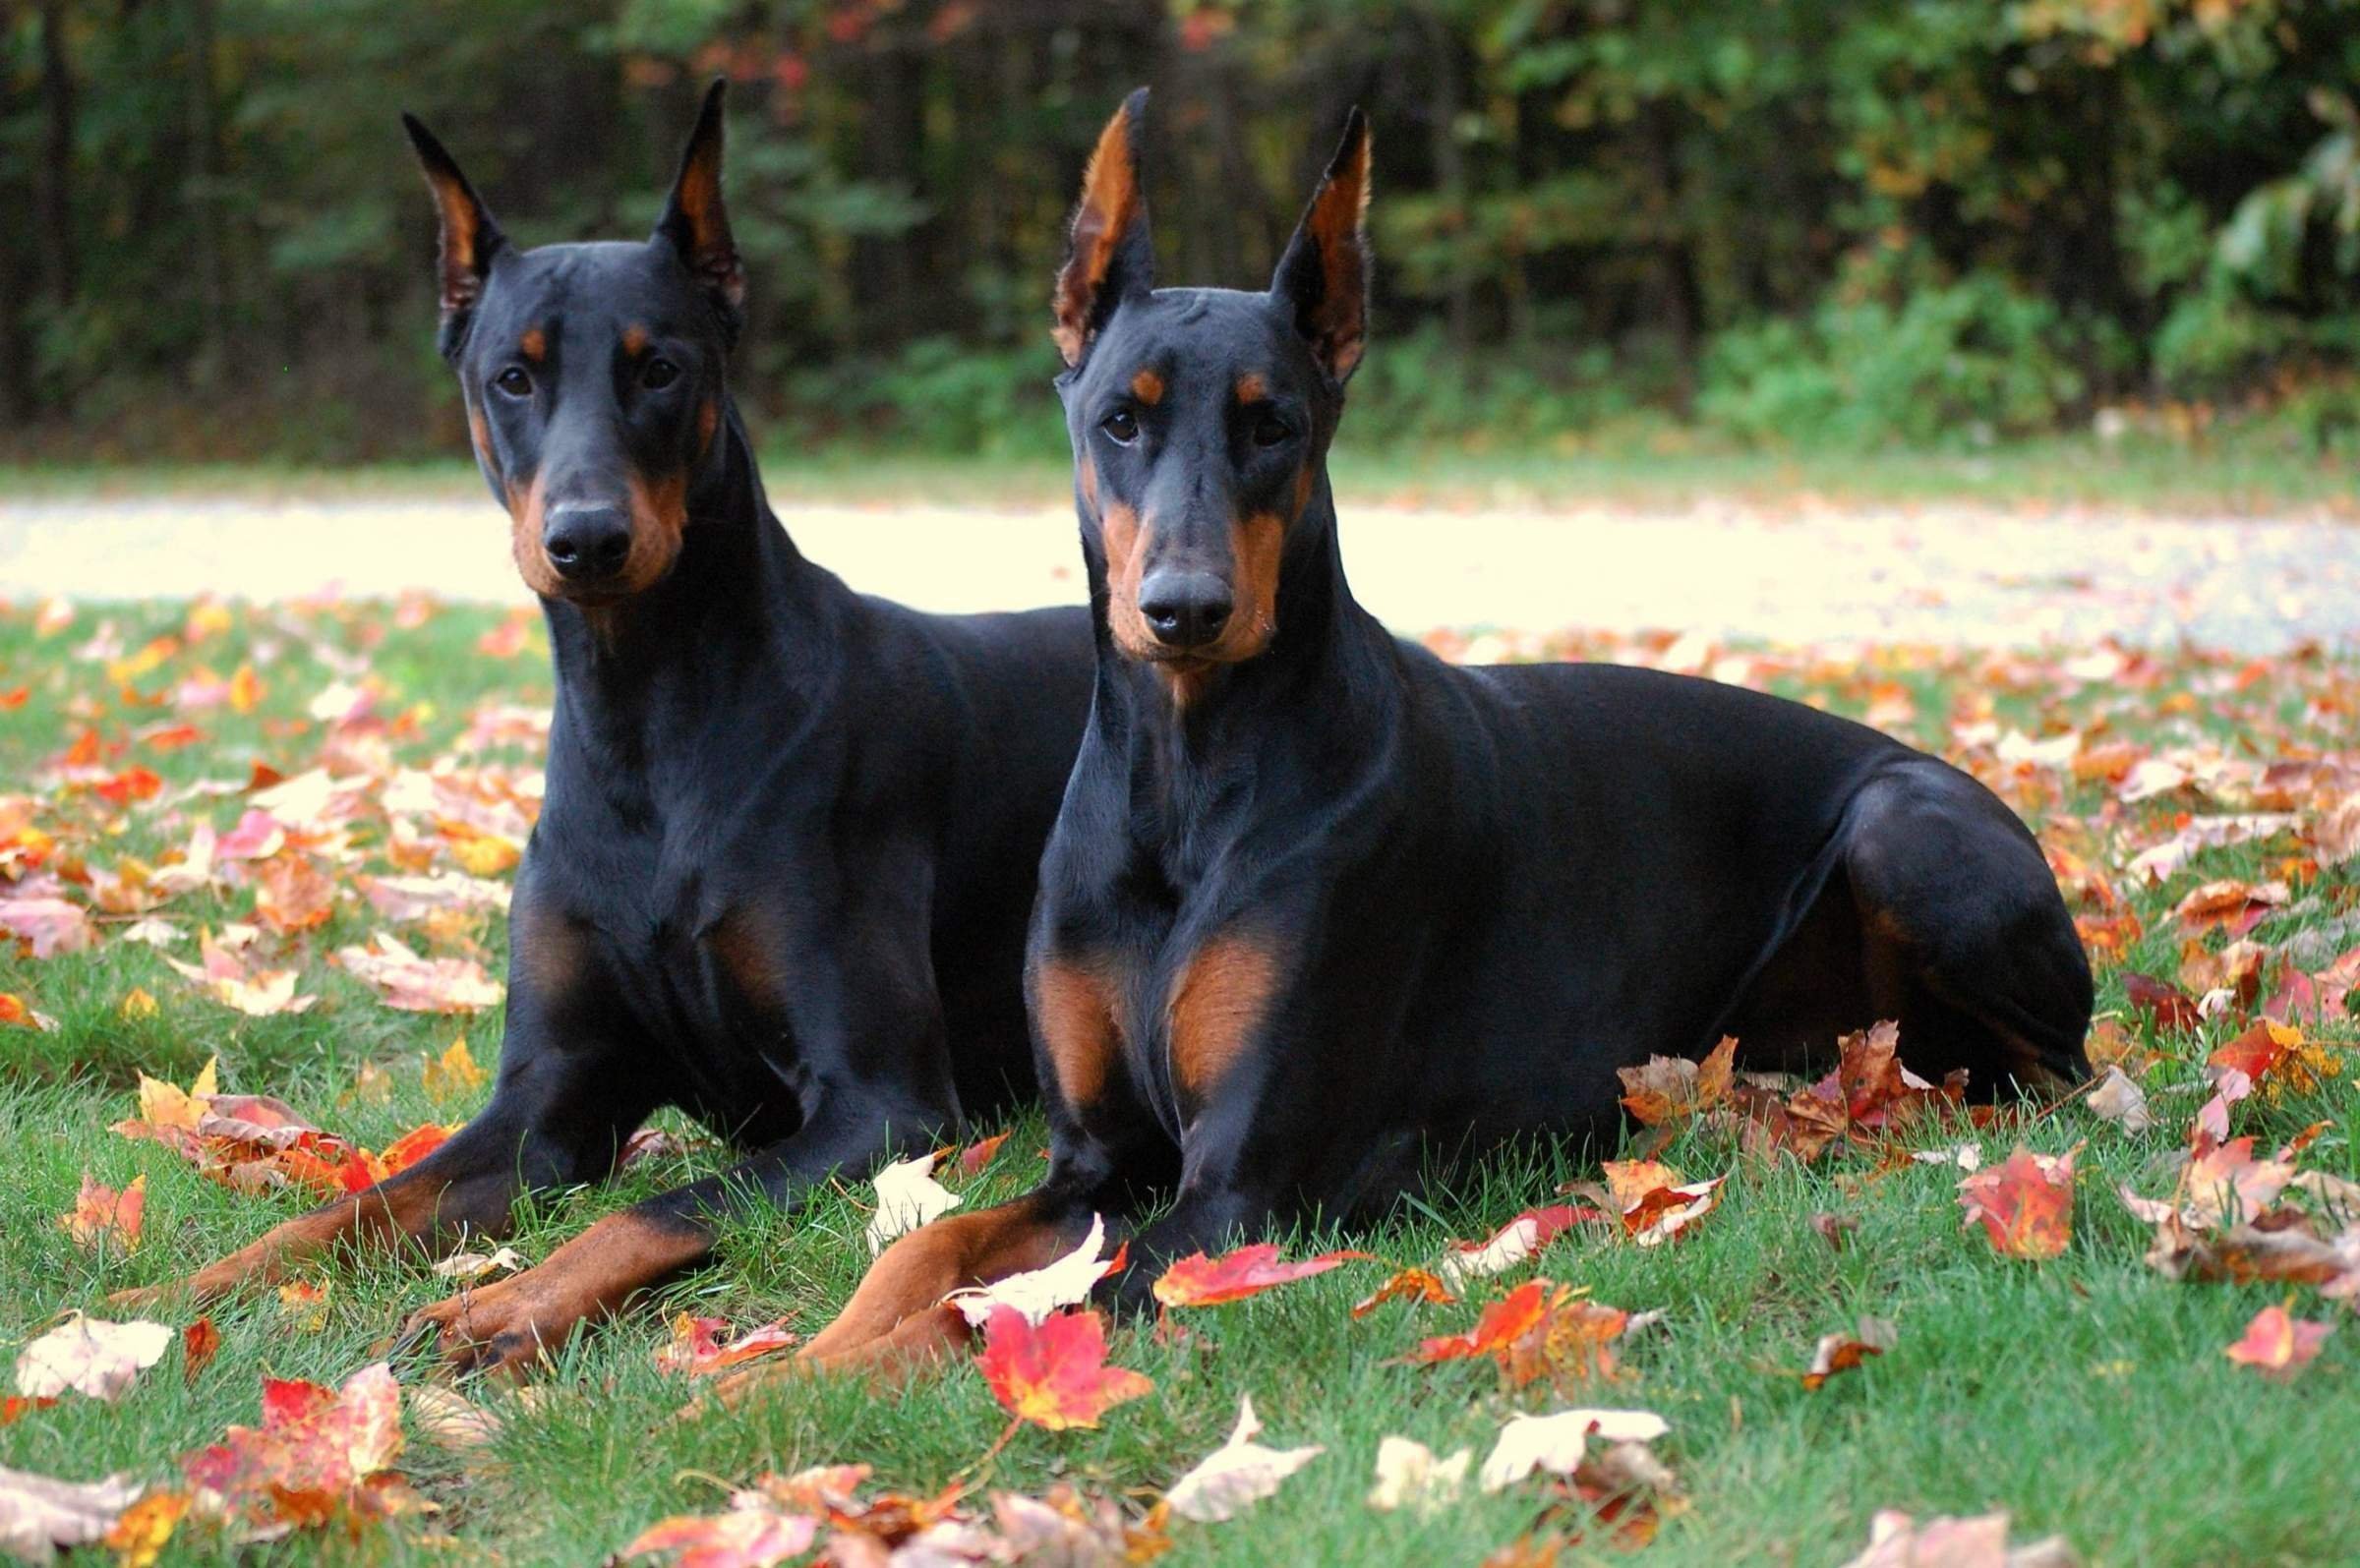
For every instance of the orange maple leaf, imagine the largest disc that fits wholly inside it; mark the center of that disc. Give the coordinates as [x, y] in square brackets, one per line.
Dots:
[103, 1216]
[1199, 1280]
[1056, 1376]
[1410, 1284]
[2025, 1204]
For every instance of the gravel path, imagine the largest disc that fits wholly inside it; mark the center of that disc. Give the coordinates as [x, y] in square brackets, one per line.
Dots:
[1932, 574]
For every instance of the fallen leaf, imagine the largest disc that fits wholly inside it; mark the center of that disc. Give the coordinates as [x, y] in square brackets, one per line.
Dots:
[199, 1342]
[1409, 1475]
[2279, 1345]
[753, 1535]
[1237, 1474]
[104, 1217]
[1540, 1329]
[2166, 1004]
[978, 1154]
[1410, 1284]
[1834, 1228]
[475, 1265]
[46, 927]
[303, 1306]
[1841, 1352]
[907, 1196]
[2118, 1100]
[87, 1355]
[696, 1348]
[453, 1074]
[450, 1418]
[1558, 1442]
[139, 1535]
[224, 977]
[2026, 1204]
[1669, 1089]
[39, 1516]
[1037, 1293]
[320, 1453]
[411, 983]
[291, 893]
[1513, 1243]
[1895, 1540]
[1054, 1373]
[1199, 1280]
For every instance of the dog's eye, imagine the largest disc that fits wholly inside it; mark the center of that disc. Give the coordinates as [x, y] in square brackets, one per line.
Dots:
[659, 375]
[515, 382]
[1269, 430]
[1121, 426]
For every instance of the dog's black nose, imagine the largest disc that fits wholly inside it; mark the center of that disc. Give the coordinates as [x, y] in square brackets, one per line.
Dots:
[587, 544]
[1185, 609]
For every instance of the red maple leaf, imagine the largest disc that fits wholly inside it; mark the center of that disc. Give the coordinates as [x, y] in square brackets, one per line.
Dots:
[1199, 1280]
[1056, 1376]
[2026, 1204]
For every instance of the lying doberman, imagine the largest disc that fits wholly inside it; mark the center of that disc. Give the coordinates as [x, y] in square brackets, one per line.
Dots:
[790, 833]
[1319, 905]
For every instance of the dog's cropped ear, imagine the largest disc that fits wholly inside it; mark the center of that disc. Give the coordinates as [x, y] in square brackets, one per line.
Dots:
[696, 224]
[1111, 256]
[470, 239]
[1323, 276]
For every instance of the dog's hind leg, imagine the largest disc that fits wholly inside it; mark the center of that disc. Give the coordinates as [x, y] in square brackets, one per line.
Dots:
[1966, 939]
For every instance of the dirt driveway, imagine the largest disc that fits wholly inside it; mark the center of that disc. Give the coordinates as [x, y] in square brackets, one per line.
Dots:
[1804, 575]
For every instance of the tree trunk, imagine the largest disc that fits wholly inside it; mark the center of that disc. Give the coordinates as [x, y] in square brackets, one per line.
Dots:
[212, 276]
[55, 218]
[1451, 179]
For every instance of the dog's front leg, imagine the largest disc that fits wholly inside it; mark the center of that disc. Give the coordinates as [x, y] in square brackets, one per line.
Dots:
[872, 1075]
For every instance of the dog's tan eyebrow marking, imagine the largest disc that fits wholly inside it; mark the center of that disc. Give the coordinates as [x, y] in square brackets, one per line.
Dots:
[1252, 388]
[1148, 388]
[534, 344]
[634, 340]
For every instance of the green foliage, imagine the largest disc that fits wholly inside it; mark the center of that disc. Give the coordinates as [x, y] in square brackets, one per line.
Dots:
[1963, 362]
[1588, 215]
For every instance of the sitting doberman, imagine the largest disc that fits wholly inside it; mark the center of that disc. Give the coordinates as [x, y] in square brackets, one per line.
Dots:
[790, 833]
[1319, 907]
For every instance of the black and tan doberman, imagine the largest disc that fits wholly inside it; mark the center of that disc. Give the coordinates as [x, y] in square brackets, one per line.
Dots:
[790, 833]
[1321, 908]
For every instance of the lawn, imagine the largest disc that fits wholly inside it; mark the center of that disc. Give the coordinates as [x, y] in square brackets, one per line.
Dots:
[2088, 1395]
[2243, 474]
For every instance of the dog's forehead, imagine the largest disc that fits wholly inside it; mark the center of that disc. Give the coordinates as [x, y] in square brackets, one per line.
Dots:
[601, 287]
[1191, 333]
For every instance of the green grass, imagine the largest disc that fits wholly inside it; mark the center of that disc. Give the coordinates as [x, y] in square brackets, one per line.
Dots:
[2087, 1395]
[1665, 467]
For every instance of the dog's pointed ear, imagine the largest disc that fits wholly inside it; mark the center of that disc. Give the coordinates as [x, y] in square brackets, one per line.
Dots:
[696, 224]
[470, 239]
[1111, 256]
[1323, 276]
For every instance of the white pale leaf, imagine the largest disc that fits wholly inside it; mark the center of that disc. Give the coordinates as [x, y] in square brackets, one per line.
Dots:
[1515, 1242]
[907, 1196]
[88, 1355]
[1408, 1476]
[1037, 1293]
[475, 1265]
[1556, 1443]
[38, 1515]
[1237, 1474]
[2118, 1100]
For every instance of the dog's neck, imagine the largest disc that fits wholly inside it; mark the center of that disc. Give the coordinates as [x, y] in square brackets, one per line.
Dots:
[1326, 669]
[664, 656]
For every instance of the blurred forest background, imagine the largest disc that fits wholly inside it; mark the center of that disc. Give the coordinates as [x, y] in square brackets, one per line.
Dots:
[1825, 222]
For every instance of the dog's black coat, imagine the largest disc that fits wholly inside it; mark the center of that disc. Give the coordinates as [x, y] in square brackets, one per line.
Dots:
[790, 833]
